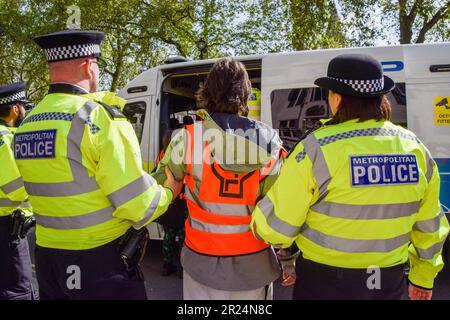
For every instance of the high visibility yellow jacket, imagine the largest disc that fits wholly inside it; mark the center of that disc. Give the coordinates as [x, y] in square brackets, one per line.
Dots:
[12, 192]
[254, 104]
[82, 168]
[359, 194]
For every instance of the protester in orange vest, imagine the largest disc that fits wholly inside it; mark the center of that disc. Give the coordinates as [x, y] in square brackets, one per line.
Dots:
[228, 163]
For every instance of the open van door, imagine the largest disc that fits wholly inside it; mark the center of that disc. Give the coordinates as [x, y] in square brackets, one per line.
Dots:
[178, 92]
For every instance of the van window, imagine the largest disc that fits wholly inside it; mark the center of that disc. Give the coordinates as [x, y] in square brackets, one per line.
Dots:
[179, 99]
[318, 95]
[135, 113]
[293, 95]
[293, 120]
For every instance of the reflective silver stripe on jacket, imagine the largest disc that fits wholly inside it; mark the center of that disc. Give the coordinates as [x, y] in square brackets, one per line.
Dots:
[368, 211]
[280, 226]
[12, 186]
[354, 245]
[217, 228]
[430, 164]
[4, 133]
[14, 204]
[431, 251]
[220, 208]
[75, 222]
[150, 210]
[320, 167]
[197, 154]
[131, 190]
[429, 226]
[82, 182]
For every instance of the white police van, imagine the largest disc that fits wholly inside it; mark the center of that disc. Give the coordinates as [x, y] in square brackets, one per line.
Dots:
[163, 97]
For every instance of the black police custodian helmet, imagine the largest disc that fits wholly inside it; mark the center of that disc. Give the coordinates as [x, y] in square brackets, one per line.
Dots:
[357, 75]
[12, 93]
[70, 44]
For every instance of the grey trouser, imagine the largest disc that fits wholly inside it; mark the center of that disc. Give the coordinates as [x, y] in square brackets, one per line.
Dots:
[194, 290]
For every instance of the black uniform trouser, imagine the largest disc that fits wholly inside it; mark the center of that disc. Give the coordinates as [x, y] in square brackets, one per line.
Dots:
[321, 282]
[15, 265]
[97, 273]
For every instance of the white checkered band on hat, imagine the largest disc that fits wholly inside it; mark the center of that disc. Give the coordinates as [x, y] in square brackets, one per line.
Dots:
[72, 52]
[372, 85]
[14, 97]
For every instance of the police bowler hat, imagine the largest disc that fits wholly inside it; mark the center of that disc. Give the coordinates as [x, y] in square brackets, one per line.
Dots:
[70, 44]
[357, 75]
[12, 93]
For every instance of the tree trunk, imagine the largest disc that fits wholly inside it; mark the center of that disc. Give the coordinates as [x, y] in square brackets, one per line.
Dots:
[117, 73]
[406, 21]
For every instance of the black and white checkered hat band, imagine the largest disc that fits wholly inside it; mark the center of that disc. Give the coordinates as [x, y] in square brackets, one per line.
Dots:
[14, 97]
[373, 85]
[72, 52]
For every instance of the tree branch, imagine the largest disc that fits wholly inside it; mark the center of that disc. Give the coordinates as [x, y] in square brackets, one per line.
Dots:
[439, 15]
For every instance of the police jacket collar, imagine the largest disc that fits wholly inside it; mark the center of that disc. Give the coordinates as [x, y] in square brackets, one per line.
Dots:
[4, 123]
[62, 87]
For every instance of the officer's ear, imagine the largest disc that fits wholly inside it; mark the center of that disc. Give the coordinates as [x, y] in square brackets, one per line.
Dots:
[14, 111]
[334, 99]
[88, 68]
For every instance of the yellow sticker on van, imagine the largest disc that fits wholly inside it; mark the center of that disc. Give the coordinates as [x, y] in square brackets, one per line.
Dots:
[442, 111]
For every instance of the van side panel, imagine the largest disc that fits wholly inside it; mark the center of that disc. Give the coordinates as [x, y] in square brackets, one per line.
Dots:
[428, 114]
[300, 69]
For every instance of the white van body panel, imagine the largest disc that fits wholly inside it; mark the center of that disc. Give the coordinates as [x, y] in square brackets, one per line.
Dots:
[300, 69]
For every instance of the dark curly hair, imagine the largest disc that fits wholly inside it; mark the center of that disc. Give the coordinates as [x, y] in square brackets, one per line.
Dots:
[227, 88]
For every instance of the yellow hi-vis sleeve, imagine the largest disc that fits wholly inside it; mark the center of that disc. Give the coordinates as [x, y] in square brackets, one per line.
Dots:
[428, 236]
[277, 219]
[174, 157]
[135, 195]
[11, 184]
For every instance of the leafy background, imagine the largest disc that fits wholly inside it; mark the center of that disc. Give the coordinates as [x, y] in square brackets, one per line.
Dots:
[140, 34]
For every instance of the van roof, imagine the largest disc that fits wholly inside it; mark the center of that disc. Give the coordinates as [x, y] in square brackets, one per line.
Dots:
[290, 53]
[194, 64]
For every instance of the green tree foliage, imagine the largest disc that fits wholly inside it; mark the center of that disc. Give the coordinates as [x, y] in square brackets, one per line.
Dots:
[316, 24]
[398, 21]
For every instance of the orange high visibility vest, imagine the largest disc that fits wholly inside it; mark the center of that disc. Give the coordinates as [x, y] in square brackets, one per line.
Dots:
[220, 203]
[160, 157]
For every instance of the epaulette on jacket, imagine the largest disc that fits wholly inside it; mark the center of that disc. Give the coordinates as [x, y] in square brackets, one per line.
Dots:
[114, 112]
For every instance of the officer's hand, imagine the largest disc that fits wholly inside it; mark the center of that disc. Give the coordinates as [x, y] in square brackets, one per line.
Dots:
[172, 184]
[416, 293]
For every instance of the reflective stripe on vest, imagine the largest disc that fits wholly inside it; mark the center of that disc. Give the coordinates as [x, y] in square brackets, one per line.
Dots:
[14, 204]
[348, 211]
[12, 186]
[219, 221]
[220, 208]
[3, 133]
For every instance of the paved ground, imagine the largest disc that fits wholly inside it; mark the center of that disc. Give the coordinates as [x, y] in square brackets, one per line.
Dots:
[171, 288]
